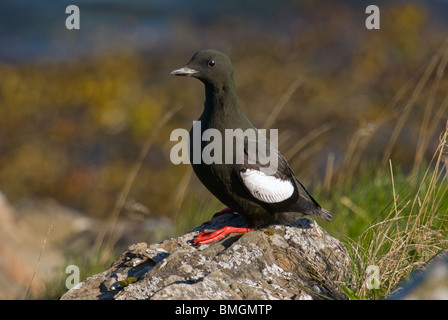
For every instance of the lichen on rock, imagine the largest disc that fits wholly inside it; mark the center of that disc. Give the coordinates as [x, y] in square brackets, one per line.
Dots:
[296, 261]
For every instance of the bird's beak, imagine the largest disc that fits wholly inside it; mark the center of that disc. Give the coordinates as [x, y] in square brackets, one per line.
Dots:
[184, 71]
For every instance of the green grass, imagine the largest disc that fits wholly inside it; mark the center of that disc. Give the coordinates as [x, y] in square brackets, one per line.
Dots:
[393, 220]
[398, 234]
[357, 202]
[196, 213]
[396, 222]
[388, 216]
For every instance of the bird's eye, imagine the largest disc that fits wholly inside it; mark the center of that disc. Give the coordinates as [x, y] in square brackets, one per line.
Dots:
[211, 63]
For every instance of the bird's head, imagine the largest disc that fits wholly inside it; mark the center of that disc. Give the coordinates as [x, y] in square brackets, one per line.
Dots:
[210, 66]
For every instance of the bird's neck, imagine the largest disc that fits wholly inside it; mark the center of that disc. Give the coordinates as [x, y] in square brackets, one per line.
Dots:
[221, 109]
[220, 97]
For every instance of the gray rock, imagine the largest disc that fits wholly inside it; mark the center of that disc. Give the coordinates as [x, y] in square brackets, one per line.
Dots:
[296, 261]
[39, 237]
[429, 283]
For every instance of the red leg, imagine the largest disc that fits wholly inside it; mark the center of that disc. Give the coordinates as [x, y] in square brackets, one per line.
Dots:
[207, 237]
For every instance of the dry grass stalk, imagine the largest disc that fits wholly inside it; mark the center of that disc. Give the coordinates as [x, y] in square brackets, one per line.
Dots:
[411, 102]
[282, 102]
[328, 172]
[426, 126]
[411, 234]
[109, 231]
[27, 296]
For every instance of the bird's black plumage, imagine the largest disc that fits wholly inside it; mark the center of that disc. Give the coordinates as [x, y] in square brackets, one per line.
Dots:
[263, 197]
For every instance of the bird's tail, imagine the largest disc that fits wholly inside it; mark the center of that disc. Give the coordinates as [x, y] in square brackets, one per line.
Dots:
[322, 213]
[319, 211]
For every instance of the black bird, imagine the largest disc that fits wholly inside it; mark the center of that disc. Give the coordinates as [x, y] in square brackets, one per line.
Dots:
[262, 195]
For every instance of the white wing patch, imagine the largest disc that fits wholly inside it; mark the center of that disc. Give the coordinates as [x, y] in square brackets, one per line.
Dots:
[266, 188]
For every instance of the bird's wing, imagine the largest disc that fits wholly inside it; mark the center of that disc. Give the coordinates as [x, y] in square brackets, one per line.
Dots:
[269, 189]
[275, 184]
[266, 174]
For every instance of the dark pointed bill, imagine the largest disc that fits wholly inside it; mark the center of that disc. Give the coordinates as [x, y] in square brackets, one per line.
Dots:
[184, 71]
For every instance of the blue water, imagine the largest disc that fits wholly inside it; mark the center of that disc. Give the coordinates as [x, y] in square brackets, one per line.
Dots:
[35, 30]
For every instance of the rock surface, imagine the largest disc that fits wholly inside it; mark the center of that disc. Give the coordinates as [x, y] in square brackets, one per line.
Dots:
[297, 261]
[40, 237]
[430, 283]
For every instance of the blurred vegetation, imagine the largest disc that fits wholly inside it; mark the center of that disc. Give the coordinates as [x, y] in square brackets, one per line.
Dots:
[73, 130]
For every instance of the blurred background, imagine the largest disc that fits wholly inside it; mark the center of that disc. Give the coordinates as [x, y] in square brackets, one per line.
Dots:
[86, 115]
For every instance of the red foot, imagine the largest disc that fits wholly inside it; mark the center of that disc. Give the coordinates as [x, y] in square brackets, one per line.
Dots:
[220, 213]
[207, 237]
